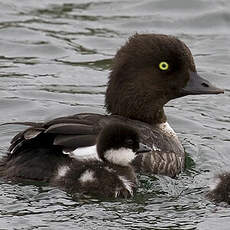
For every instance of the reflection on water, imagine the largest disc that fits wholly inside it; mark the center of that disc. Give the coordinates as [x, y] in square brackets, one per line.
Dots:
[54, 61]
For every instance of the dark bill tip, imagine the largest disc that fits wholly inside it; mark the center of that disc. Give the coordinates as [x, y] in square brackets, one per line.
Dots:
[143, 148]
[198, 85]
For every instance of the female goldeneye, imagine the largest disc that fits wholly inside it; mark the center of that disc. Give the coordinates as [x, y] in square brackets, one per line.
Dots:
[220, 192]
[109, 176]
[148, 71]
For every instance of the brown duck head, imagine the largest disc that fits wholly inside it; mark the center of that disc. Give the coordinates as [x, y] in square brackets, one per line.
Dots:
[148, 71]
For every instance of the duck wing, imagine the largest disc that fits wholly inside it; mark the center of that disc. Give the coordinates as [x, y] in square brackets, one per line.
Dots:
[37, 152]
[66, 133]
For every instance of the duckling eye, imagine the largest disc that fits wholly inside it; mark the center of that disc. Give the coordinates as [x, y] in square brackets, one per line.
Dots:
[164, 65]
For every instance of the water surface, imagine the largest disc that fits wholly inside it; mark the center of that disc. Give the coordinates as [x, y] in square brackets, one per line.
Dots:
[54, 61]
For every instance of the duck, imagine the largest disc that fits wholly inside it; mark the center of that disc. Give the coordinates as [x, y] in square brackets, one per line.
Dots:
[220, 190]
[109, 176]
[148, 71]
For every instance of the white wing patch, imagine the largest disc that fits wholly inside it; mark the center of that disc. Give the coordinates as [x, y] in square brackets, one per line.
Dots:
[84, 153]
[122, 156]
[87, 176]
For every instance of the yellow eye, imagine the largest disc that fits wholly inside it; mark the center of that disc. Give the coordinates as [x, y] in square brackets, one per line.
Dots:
[163, 65]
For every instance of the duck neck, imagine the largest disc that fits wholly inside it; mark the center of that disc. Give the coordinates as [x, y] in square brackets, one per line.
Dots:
[158, 116]
[154, 117]
[133, 102]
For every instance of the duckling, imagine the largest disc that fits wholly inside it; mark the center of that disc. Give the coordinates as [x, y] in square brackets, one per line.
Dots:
[111, 175]
[221, 190]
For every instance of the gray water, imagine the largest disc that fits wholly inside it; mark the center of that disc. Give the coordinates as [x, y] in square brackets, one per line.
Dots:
[54, 61]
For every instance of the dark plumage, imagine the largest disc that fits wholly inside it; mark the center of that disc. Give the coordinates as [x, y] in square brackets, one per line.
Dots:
[111, 178]
[137, 91]
[116, 137]
[221, 193]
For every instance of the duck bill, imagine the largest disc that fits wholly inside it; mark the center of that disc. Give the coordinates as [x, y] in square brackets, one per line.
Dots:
[198, 85]
[143, 148]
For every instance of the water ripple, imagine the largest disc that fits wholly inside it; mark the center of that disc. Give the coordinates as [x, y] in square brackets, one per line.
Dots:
[57, 55]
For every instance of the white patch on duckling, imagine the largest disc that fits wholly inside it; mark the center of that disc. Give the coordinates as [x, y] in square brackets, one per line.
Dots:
[127, 184]
[213, 183]
[117, 193]
[62, 171]
[110, 170]
[122, 156]
[87, 176]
